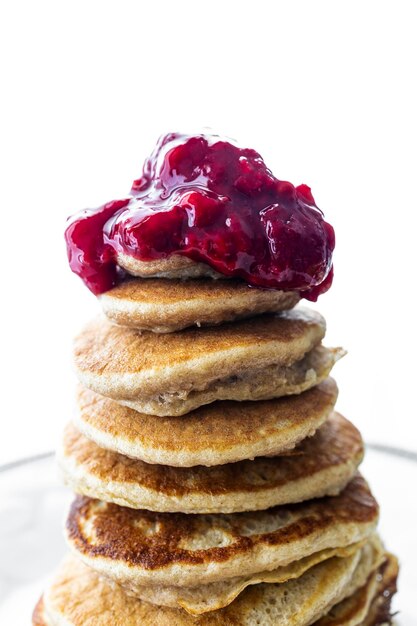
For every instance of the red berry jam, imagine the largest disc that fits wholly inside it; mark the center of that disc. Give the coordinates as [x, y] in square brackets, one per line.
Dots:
[205, 198]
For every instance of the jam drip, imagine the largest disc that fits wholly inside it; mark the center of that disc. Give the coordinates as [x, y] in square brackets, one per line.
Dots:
[215, 203]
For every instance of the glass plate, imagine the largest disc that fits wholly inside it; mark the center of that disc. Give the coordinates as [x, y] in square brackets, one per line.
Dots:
[33, 506]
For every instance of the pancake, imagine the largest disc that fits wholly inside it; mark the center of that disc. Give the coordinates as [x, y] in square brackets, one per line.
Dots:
[79, 597]
[171, 374]
[321, 465]
[379, 612]
[174, 266]
[138, 547]
[273, 381]
[163, 305]
[215, 596]
[215, 434]
[370, 605]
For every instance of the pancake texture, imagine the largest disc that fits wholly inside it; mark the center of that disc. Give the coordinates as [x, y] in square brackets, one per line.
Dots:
[321, 465]
[380, 608]
[215, 596]
[79, 597]
[215, 434]
[171, 374]
[138, 547]
[174, 266]
[164, 306]
[274, 381]
[371, 604]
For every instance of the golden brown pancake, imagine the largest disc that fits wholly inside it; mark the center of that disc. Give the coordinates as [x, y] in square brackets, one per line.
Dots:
[320, 465]
[265, 357]
[215, 434]
[162, 305]
[380, 609]
[371, 604]
[79, 597]
[214, 596]
[138, 547]
[174, 266]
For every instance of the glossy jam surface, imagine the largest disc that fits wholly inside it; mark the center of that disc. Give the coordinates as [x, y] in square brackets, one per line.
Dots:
[205, 198]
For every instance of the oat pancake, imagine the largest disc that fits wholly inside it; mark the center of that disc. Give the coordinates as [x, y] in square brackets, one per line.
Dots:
[171, 374]
[379, 612]
[215, 434]
[320, 465]
[370, 604]
[174, 266]
[79, 597]
[215, 596]
[138, 547]
[273, 381]
[162, 305]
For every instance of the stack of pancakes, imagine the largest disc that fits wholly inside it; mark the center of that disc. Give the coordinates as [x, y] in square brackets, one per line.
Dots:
[216, 484]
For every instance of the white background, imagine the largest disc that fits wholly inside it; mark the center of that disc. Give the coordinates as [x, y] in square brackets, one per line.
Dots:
[325, 91]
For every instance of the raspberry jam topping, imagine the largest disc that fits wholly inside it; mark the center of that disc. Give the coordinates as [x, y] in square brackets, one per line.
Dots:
[205, 198]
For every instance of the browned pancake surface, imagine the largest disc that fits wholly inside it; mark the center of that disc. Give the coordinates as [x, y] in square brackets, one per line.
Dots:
[328, 460]
[164, 305]
[378, 612]
[156, 540]
[164, 291]
[380, 609]
[213, 434]
[103, 348]
[106, 604]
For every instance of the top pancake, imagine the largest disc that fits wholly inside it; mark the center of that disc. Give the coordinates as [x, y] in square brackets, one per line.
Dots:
[162, 305]
[173, 266]
[137, 547]
[133, 367]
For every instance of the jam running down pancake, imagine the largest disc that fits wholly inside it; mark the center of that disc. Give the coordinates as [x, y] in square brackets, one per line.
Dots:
[205, 201]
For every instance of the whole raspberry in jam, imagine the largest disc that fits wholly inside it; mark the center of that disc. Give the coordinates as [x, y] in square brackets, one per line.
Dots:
[205, 198]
